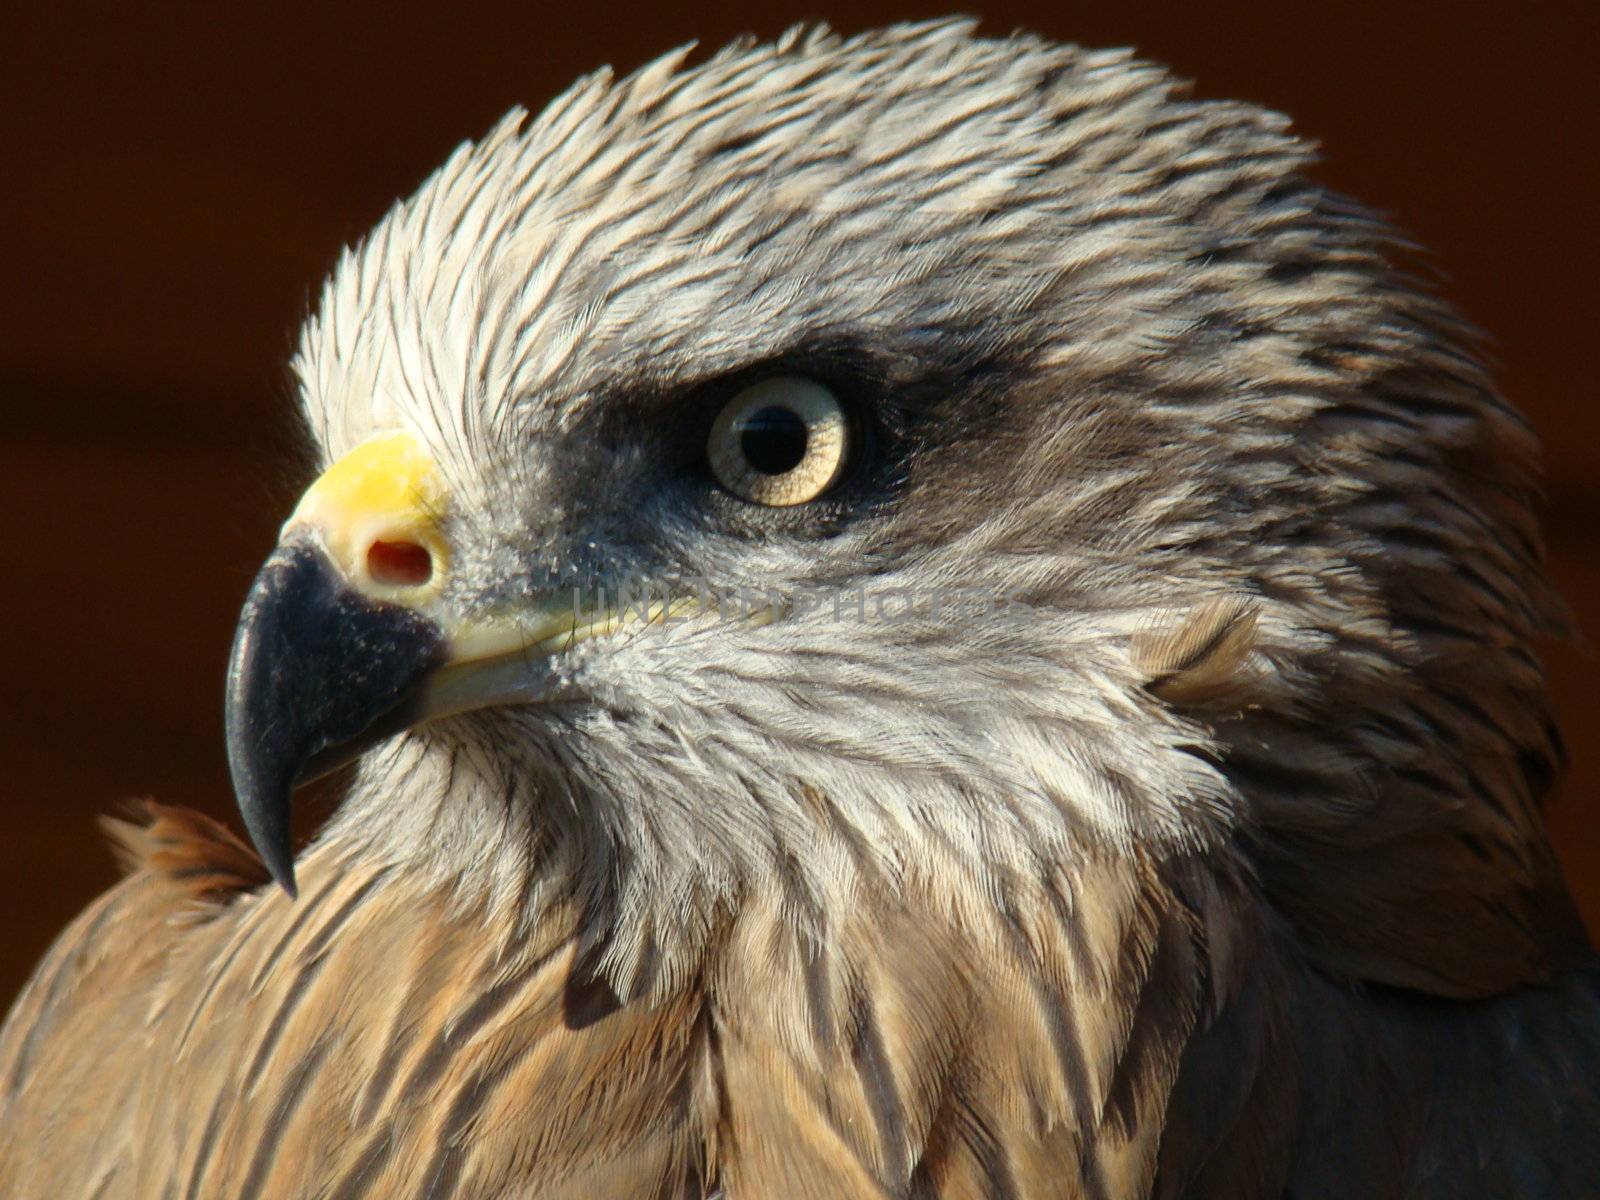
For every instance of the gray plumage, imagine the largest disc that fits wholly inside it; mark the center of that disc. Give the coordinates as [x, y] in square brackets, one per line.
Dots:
[1203, 859]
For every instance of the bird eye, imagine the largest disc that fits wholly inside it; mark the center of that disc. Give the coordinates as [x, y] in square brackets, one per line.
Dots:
[779, 442]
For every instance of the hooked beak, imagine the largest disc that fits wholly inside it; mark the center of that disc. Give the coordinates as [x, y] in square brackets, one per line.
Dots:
[344, 642]
[318, 672]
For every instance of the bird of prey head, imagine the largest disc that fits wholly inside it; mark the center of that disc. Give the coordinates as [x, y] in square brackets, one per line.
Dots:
[1104, 489]
[953, 542]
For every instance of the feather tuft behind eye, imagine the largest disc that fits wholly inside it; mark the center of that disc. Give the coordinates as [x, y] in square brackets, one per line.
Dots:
[780, 442]
[1203, 659]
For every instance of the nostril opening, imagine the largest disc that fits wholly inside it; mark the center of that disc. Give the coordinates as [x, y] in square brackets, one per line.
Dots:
[400, 564]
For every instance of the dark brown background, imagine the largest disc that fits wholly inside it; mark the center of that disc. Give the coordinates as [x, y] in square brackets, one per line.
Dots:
[175, 181]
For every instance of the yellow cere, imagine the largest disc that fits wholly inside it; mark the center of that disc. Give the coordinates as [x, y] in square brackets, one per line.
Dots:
[387, 488]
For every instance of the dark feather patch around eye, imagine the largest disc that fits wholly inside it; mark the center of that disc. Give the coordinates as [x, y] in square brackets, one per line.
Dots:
[899, 402]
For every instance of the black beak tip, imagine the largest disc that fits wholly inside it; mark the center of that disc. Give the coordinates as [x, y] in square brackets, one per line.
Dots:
[270, 834]
[263, 768]
[284, 877]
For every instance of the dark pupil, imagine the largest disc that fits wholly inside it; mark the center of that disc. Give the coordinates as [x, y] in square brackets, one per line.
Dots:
[773, 439]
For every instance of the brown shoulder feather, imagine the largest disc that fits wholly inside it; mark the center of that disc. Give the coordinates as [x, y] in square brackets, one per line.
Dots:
[187, 849]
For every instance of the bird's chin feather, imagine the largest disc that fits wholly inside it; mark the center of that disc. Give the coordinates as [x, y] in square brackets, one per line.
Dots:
[661, 827]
